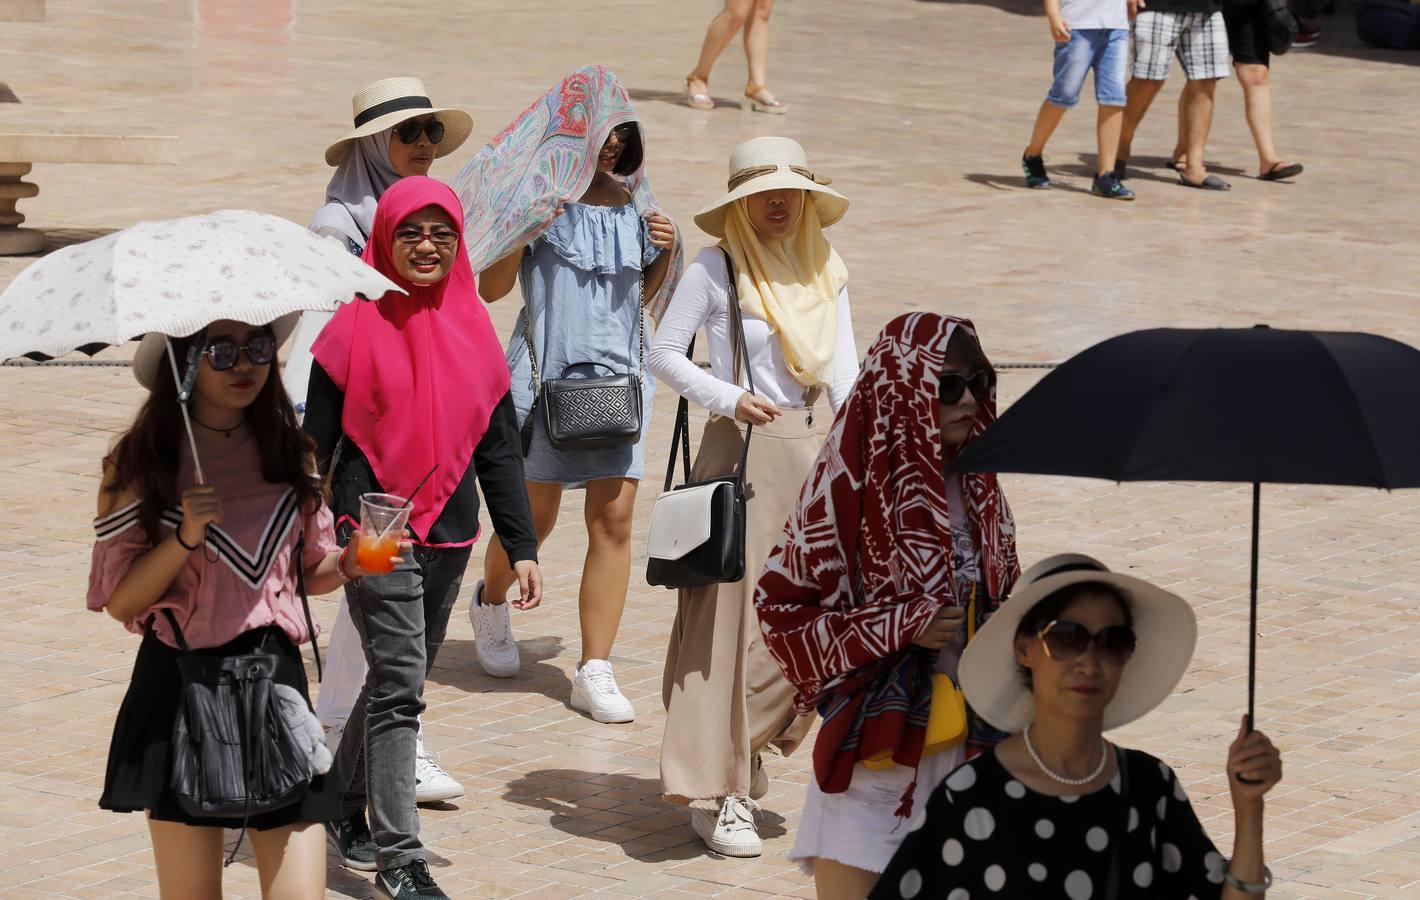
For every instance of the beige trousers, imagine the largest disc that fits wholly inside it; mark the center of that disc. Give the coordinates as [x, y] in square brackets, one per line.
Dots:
[726, 699]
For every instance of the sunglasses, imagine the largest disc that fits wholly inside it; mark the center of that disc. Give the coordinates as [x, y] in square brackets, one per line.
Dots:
[222, 352]
[441, 238]
[408, 132]
[1065, 640]
[952, 386]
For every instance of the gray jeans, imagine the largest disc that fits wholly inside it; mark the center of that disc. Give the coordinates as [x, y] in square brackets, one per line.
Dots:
[401, 619]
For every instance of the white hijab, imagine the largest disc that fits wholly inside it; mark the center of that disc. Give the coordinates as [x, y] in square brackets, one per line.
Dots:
[355, 188]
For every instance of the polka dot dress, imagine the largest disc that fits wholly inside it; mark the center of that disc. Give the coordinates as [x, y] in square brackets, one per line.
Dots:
[986, 835]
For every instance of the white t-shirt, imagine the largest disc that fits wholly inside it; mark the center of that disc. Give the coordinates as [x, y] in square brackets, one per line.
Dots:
[1095, 13]
[701, 299]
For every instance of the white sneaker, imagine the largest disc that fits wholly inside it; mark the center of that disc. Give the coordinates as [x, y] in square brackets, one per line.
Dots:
[493, 636]
[594, 692]
[758, 778]
[731, 832]
[431, 782]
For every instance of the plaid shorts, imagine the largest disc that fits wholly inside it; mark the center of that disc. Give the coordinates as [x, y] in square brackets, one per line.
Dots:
[1200, 40]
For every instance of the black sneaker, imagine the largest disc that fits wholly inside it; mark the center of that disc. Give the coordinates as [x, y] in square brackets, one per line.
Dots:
[1121, 170]
[406, 882]
[1034, 167]
[1108, 186]
[352, 841]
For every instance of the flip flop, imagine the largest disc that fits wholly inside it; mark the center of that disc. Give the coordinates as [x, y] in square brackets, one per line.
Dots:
[1281, 172]
[1210, 183]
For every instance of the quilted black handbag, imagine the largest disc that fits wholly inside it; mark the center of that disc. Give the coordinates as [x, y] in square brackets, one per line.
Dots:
[234, 755]
[598, 413]
[697, 534]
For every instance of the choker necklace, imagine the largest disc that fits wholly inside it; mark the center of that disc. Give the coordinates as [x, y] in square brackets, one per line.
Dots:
[225, 432]
[1073, 782]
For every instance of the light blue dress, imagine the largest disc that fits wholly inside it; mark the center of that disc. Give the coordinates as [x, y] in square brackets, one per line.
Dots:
[581, 290]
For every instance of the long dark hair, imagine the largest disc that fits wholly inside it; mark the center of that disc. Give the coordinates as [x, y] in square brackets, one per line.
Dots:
[145, 460]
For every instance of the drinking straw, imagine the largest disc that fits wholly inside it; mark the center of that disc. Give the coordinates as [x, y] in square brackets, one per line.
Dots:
[409, 500]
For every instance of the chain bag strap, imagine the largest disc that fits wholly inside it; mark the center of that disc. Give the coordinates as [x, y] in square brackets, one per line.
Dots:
[597, 413]
[698, 529]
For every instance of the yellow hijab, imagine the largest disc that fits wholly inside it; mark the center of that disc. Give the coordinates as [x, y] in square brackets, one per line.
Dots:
[793, 285]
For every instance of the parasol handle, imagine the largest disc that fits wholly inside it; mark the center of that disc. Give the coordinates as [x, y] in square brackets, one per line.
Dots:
[1252, 624]
[184, 397]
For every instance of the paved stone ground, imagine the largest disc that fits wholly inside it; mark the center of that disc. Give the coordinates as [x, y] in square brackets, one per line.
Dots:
[919, 112]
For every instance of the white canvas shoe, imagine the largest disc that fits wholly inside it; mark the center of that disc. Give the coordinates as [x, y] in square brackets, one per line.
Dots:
[493, 636]
[731, 831]
[595, 693]
[431, 783]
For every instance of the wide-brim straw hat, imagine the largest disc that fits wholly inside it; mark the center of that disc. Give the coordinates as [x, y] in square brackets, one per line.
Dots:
[1164, 624]
[390, 101]
[151, 359]
[767, 164]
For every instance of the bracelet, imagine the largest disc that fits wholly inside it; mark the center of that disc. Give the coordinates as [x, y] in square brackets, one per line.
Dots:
[1248, 887]
[177, 533]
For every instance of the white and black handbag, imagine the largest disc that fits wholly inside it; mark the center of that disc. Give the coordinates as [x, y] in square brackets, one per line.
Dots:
[698, 529]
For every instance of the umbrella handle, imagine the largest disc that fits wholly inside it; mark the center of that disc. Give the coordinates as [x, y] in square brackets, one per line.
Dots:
[1252, 624]
[183, 398]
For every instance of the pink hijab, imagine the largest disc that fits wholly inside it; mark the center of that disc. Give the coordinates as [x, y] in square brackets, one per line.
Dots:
[421, 373]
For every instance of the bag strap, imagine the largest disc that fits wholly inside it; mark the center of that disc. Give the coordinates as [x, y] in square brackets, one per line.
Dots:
[1116, 861]
[679, 431]
[737, 332]
[177, 632]
[298, 562]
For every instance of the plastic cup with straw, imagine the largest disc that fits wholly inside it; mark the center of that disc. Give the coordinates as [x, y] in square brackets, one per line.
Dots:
[382, 521]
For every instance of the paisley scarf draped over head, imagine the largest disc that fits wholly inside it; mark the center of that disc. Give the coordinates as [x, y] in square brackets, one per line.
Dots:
[422, 372]
[512, 188]
[865, 564]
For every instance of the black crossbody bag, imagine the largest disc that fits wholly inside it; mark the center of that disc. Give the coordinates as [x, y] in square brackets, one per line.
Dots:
[697, 532]
[233, 755]
[599, 413]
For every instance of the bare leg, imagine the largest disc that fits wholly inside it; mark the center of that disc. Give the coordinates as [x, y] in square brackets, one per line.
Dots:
[1140, 93]
[1179, 156]
[1046, 121]
[1199, 114]
[1257, 102]
[498, 574]
[1107, 126]
[290, 861]
[606, 573]
[835, 881]
[757, 42]
[722, 30]
[189, 860]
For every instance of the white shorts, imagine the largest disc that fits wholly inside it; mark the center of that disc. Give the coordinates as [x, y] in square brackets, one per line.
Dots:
[1199, 39]
[860, 827]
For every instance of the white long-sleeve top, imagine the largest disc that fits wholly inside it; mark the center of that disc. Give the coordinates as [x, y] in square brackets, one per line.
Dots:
[701, 299]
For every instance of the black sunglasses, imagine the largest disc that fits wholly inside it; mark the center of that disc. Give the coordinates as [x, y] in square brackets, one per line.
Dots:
[1066, 640]
[408, 132]
[222, 352]
[952, 386]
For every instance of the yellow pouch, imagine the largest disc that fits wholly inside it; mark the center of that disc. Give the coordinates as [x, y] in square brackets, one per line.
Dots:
[946, 723]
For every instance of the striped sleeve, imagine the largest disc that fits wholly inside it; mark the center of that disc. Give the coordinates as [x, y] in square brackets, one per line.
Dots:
[118, 541]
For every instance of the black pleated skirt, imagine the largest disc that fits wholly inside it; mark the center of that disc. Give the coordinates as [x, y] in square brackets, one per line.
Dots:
[140, 753]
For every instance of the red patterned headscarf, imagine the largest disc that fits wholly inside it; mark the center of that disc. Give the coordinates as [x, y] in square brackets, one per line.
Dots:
[865, 561]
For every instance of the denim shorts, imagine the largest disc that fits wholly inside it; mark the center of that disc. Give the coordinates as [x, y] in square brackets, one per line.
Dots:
[1106, 50]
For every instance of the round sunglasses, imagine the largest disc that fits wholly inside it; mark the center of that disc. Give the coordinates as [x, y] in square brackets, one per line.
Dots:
[952, 386]
[408, 132]
[222, 352]
[1065, 640]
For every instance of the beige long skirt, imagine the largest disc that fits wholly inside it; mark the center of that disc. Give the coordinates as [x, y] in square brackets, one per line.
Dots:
[725, 697]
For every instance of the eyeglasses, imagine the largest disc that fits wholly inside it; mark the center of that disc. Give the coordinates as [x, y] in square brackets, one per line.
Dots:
[222, 352]
[408, 132]
[441, 238]
[1065, 640]
[952, 386]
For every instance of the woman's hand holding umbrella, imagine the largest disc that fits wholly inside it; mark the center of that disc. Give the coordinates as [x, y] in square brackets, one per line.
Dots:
[201, 506]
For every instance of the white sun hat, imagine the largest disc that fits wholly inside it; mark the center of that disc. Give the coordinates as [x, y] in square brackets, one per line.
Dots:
[767, 164]
[1164, 624]
[390, 101]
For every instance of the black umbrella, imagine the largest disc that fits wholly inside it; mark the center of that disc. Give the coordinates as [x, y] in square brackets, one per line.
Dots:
[1227, 404]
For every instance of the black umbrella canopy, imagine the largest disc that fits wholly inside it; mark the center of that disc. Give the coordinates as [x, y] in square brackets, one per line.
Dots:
[1226, 404]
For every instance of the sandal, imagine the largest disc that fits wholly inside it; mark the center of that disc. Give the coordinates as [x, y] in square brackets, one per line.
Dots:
[1210, 183]
[701, 101]
[756, 94]
[1281, 171]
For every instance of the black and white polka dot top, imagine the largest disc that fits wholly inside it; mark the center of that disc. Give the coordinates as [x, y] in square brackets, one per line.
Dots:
[984, 834]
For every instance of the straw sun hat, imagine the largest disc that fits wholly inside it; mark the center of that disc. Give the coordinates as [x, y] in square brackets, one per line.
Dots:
[390, 101]
[1164, 624]
[767, 164]
[150, 360]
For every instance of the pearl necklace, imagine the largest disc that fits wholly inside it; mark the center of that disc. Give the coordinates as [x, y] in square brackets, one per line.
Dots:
[1073, 782]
